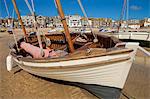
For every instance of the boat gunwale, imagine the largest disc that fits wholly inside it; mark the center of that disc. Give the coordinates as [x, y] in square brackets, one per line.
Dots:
[67, 58]
[83, 66]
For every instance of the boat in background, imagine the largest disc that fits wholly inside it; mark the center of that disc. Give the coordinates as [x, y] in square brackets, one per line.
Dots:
[126, 33]
[145, 36]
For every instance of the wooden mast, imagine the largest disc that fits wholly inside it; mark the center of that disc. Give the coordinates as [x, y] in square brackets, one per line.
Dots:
[63, 20]
[20, 20]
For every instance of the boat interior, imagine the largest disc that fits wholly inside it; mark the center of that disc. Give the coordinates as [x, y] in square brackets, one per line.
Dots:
[83, 44]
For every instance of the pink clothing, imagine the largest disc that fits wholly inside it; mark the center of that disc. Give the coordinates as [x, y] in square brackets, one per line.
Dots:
[36, 52]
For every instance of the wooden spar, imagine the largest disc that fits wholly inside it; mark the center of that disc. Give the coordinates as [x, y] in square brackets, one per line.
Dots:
[20, 20]
[63, 19]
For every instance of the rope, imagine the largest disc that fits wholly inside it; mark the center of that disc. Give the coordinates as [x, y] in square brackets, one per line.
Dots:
[85, 15]
[127, 8]
[30, 8]
[127, 13]
[35, 23]
[32, 5]
[123, 10]
[6, 8]
[14, 36]
[13, 14]
[55, 4]
[15, 39]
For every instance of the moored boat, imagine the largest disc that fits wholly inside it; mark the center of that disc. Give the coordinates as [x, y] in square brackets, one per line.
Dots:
[106, 66]
[104, 61]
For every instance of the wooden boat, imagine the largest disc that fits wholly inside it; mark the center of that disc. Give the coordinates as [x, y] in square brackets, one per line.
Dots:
[104, 63]
[93, 66]
[106, 66]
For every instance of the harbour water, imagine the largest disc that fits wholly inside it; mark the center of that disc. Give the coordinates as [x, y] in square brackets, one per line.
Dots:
[19, 84]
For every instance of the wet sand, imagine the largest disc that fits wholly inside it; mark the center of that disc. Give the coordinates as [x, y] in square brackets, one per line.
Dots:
[22, 85]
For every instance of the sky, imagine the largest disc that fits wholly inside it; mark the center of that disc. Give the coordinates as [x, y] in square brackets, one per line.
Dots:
[138, 9]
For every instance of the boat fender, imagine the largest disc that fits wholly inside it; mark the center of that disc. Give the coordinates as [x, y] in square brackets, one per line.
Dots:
[9, 63]
[95, 40]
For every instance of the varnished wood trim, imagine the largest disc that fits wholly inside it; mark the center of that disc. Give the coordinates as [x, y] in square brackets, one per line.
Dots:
[67, 58]
[78, 67]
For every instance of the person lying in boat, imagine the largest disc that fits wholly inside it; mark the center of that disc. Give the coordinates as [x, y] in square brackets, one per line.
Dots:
[36, 51]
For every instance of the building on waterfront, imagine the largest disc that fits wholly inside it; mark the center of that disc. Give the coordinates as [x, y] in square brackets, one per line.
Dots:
[147, 22]
[134, 24]
[7, 22]
[28, 21]
[3, 22]
[124, 24]
[53, 21]
[74, 20]
[95, 22]
[49, 22]
[105, 22]
[57, 22]
[85, 22]
[133, 21]
[15, 23]
[114, 24]
[41, 20]
[101, 22]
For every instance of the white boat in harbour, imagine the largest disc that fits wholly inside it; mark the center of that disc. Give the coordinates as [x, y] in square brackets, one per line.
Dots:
[109, 68]
[145, 36]
[104, 61]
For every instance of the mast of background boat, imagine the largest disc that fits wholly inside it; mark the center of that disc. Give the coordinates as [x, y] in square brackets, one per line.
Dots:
[20, 20]
[6, 8]
[63, 20]
[122, 14]
[11, 23]
[127, 19]
[15, 38]
[32, 10]
[8, 14]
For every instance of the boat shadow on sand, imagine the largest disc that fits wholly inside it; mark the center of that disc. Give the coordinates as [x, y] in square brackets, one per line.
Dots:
[102, 92]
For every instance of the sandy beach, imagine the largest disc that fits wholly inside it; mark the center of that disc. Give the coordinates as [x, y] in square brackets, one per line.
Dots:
[19, 84]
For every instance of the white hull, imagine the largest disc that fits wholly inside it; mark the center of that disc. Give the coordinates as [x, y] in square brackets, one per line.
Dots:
[113, 75]
[101, 70]
[95, 70]
[133, 35]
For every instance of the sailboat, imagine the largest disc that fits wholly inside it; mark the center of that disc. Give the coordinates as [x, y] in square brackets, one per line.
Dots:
[134, 34]
[103, 63]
